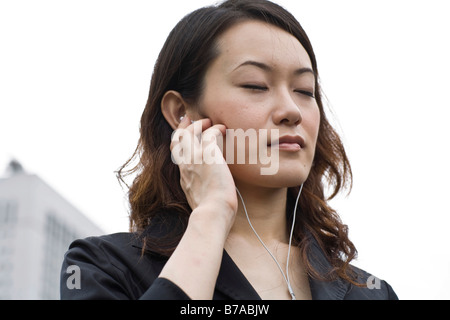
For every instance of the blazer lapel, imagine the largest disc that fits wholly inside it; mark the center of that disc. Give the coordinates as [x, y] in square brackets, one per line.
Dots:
[232, 283]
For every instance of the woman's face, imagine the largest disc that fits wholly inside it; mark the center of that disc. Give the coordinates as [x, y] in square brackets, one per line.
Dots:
[263, 79]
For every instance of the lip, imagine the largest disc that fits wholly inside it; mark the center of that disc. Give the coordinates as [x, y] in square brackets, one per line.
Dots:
[289, 143]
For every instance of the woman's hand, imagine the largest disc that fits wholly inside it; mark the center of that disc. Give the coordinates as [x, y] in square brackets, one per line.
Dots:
[210, 190]
[204, 174]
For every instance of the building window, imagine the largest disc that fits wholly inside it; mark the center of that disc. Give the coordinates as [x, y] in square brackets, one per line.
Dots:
[8, 212]
[8, 221]
[58, 238]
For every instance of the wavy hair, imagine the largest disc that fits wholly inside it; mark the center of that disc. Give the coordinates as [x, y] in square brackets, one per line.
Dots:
[155, 195]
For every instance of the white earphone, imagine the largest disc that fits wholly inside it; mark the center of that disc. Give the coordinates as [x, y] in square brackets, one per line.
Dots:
[285, 276]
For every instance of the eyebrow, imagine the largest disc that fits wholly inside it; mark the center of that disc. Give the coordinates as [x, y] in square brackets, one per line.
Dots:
[267, 68]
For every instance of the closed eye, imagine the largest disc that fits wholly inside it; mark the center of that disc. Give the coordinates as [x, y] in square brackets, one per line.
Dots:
[254, 87]
[306, 93]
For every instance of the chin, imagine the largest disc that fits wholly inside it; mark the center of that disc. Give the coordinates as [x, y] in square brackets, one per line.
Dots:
[287, 180]
[284, 177]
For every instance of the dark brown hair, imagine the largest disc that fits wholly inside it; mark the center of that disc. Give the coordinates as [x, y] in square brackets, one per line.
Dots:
[155, 195]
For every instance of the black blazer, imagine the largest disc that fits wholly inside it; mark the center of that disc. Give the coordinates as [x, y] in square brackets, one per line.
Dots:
[112, 267]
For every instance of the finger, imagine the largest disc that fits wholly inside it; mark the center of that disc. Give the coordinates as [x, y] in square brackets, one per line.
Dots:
[181, 145]
[221, 127]
[214, 132]
[206, 123]
[178, 154]
[212, 144]
[195, 131]
[187, 123]
[188, 141]
[184, 129]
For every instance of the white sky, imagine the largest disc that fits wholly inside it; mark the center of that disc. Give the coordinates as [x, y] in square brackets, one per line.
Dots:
[74, 79]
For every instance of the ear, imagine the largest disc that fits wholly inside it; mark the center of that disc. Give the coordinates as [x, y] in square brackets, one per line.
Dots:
[173, 108]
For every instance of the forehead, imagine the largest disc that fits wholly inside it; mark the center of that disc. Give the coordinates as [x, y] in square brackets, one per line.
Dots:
[260, 41]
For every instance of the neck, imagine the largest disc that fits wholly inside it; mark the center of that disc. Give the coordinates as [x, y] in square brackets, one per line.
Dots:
[266, 209]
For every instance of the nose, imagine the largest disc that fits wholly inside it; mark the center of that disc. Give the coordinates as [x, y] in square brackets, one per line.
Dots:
[286, 111]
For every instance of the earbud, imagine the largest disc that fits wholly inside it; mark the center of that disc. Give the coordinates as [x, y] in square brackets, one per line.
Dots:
[182, 117]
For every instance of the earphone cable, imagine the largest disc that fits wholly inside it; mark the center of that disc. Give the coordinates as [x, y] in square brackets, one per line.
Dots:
[285, 276]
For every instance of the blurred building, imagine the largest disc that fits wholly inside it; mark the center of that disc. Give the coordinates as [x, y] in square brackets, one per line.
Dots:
[36, 227]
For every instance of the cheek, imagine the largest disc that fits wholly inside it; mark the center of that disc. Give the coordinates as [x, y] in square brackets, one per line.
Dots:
[232, 111]
[217, 107]
[311, 123]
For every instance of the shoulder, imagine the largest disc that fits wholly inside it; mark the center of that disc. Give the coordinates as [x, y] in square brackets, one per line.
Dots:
[107, 242]
[105, 246]
[111, 266]
[373, 288]
[368, 285]
[116, 250]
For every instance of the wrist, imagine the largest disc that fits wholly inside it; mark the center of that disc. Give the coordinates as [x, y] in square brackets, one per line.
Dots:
[212, 221]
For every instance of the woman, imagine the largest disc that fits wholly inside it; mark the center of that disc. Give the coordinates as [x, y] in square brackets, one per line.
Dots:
[223, 229]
